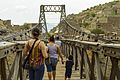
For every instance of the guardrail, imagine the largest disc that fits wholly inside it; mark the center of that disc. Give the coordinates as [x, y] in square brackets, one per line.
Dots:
[104, 59]
[99, 61]
[11, 61]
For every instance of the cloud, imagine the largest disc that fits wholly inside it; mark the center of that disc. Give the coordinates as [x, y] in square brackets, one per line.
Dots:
[21, 7]
[3, 10]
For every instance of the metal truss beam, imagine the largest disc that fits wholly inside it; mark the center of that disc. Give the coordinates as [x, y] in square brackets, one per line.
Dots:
[51, 8]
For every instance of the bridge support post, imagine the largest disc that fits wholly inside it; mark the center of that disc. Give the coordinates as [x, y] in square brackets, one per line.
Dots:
[20, 66]
[70, 50]
[3, 69]
[79, 61]
[82, 62]
[63, 48]
[115, 69]
[74, 56]
[67, 49]
[86, 65]
[92, 76]
[98, 67]
[16, 66]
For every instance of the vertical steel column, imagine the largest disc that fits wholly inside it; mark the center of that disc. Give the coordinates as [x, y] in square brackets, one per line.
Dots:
[51, 8]
[42, 19]
[3, 69]
[63, 16]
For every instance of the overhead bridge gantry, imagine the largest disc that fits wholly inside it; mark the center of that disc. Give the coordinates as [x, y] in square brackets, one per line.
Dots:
[51, 8]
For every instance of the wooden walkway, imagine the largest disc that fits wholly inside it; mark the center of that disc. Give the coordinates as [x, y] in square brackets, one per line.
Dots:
[60, 72]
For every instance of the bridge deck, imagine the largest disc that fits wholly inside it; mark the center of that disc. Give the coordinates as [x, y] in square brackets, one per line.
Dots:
[60, 72]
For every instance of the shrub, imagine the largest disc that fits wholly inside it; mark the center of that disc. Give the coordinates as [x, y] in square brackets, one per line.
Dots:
[87, 14]
[97, 31]
[87, 8]
[93, 14]
[86, 24]
[80, 24]
[91, 19]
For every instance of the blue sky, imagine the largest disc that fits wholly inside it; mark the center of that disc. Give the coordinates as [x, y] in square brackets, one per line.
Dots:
[21, 11]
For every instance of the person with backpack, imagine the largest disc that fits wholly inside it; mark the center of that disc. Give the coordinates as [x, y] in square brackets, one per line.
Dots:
[51, 62]
[37, 56]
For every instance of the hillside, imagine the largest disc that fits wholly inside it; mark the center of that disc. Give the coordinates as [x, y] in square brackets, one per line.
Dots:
[85, 19]
[3, 30]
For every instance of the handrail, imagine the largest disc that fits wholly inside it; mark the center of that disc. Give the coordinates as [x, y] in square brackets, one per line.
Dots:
[97, 61]
[110, 45]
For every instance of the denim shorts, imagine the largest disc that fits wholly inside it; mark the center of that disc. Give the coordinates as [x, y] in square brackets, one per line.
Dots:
[36, 73]
[51, 66]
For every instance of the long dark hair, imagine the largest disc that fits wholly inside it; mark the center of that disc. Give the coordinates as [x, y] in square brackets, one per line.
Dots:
[35, 32]
[52, 39]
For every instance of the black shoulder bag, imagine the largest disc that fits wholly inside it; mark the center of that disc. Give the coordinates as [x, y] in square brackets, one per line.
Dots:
[26, 60]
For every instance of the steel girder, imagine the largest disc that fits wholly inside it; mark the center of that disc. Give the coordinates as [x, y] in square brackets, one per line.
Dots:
[51, 8]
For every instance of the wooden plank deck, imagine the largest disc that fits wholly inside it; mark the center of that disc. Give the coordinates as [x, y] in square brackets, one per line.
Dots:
[60, 73]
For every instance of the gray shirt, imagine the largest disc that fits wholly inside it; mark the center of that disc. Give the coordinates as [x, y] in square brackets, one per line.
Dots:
[58, 42]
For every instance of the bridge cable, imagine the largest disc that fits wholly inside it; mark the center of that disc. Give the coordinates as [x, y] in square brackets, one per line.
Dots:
[18, 34]
[95, 37]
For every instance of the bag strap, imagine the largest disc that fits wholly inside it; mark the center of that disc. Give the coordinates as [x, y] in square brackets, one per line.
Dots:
[31, 49]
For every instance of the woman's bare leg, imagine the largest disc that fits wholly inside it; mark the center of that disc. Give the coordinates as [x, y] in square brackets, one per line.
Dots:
[54, 74]
[49, 75]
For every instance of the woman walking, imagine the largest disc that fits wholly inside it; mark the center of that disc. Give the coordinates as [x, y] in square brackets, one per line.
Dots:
[37, 57]
[51, 62]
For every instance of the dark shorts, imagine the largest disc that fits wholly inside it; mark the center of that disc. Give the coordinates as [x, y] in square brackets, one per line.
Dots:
[36, 73]
[51, 66]
[68, 74]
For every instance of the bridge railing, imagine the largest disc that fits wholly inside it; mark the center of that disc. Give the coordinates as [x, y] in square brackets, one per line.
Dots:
[11, 61]
[95, 61]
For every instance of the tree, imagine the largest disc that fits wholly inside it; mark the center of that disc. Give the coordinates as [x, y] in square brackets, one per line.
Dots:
[97, 31]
